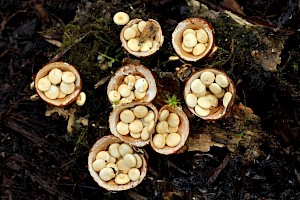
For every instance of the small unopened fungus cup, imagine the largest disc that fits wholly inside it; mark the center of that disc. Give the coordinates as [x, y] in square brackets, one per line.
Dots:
[115, 165]
[58, 84]
[142, 38]
[121, 18]
[193, 39]
[209, 94]
[131, 83]
[134, 123]
[171, 131]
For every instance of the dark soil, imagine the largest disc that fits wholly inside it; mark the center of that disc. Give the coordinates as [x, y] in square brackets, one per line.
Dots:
[41, 160]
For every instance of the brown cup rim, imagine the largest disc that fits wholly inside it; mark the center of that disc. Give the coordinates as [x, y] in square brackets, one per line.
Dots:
[193, 23]
[134, 69]
[219, 112]
[114, 118]
[64, 67]
[157, 42]
[102, 144]
[183, 130]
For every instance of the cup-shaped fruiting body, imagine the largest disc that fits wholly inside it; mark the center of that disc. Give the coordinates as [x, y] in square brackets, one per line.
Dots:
[131, 83]
[193, 39]
[81, 99]
[121, 18]
[65, 83]
[213, 104]
[146, 39]
[134, 123]
[172, 139]
[114, 177]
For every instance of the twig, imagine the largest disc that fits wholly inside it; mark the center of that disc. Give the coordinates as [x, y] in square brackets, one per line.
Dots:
[218, 170]
[6, 19]
[177, 168]
[102, 81]
[81, 186]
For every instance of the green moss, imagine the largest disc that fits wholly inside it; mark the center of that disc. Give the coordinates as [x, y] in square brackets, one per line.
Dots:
[173, 101]
[235, 45]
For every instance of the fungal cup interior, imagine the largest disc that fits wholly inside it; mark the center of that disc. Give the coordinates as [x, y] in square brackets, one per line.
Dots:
[103, 144]
[64, 67]
[183, 130]
[192, 23]
[220, 111]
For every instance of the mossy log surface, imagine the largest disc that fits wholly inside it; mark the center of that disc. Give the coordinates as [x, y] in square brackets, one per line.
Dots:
[251, 154]
[250, 54]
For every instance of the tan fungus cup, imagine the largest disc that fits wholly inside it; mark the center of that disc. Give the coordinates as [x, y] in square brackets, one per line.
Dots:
[138, 70]
[101, 145]
[158, 39]
[220, 111]
[183, 130]
[192, 23]
[64, 67]
[114, 119]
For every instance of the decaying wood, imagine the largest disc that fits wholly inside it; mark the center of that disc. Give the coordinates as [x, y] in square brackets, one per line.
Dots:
[45, 184]
[201, 142]
[246, 132]
[270, 57]
[33, 137]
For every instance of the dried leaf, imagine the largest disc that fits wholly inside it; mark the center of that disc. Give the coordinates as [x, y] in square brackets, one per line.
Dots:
[102, 81]
[270, 57]
[60, 111]
[34, 97]
[83, 120]
[54, 42]
[71, 120]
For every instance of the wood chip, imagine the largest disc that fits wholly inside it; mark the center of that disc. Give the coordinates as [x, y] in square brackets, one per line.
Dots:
[149, 32]
[201, 142]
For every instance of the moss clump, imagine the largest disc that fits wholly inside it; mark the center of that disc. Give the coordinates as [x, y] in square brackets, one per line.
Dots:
[173, 101]
[235, 44]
